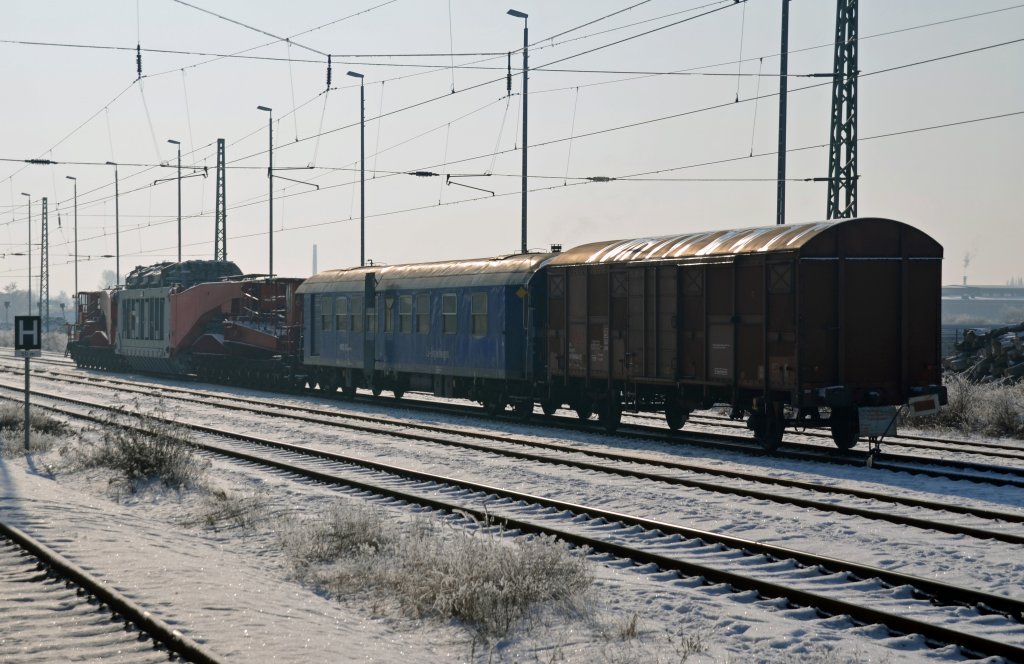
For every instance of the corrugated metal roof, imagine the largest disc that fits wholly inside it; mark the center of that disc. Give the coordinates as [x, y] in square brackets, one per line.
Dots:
[791, 237]
[864, 237]
[484, 272]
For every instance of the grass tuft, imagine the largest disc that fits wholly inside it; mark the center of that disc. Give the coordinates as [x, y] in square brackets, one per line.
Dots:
[150, 451]
[431, 570]
[988, 408]
[43, 431]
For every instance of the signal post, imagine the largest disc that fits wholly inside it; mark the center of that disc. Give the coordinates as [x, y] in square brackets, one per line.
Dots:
[28, 338]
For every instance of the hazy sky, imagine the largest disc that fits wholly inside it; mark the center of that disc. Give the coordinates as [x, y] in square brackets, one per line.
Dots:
[961, 184]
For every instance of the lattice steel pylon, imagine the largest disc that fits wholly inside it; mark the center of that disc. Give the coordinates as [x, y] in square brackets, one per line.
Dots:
[842, 158]
[220, 223]
[44, 269]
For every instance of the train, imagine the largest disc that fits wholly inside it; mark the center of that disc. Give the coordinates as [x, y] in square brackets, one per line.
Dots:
[817, 325]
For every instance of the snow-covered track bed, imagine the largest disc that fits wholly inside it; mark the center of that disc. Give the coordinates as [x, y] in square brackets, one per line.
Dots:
[956, 468]
[711, 418]
[82, 614]
[846, 594]
[982, 523]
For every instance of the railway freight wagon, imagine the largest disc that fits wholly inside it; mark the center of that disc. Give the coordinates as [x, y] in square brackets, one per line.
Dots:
[256, 339]
[781, 322]
[165, 308]
[91, 338]
[455, 329]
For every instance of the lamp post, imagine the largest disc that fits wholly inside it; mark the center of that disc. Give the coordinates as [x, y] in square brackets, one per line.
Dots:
[362, 169]
[73, 179]
[526, 97]
[174, 142]
[270, 179]
[29, 252]
[117, 230]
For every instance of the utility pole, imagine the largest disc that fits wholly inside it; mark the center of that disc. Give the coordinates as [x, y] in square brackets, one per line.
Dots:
[362, 169]
[220, 217]
[780, 207]
[75, 180]
[178, 145]
[117, 229]
[526, 115]
[842, 160]
[44, 269]
[270, 180]
[29, 252]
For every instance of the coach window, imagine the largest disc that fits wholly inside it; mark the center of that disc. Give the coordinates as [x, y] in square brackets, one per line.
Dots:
[357, 313]
[341, 314]
[449, 313]
[405, 314]
[479, 314]
[326, 306]
[389, 315]
[423, 313]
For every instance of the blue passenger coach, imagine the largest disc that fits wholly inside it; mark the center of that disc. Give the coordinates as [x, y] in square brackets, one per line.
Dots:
[465, 329]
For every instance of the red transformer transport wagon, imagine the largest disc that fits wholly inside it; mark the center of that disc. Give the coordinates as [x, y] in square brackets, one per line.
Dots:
[782, 323]
[91, 339]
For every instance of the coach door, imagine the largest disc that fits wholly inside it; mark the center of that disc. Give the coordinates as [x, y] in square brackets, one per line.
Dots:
[370, 324]
[633, 285]
[644, 323]
[312, 324]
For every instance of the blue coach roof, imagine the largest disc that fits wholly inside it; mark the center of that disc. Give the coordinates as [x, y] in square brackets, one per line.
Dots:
[499, 271]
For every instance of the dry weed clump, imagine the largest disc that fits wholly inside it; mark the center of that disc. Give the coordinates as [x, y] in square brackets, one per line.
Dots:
[43, 432]
[432, 570]
[989, 408]
[221, 509]
[148, 451]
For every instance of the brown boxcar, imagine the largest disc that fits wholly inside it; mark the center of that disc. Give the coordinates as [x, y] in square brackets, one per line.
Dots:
[779, 322]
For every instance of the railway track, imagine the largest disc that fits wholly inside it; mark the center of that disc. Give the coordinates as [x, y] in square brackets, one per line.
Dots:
[998, 475]
[934, 443]
[84, 618]
[696, 476]
[902, 440]
[744, 443]
[982, 624]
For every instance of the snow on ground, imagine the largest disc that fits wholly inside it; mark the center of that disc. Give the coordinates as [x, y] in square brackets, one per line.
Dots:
[232, 589]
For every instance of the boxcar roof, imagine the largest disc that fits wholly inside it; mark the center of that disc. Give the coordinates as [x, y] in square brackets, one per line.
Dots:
[865, 237]
[484, 272]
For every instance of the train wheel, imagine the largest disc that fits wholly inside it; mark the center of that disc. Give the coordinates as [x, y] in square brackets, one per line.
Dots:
[494, 405]
[768, 429]
[348, 392]
[549, 407]
[675, 416]
[610, 415]
[584, 411]
[523, 409]
[845, 428]
[376, 391]
[398, 394]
